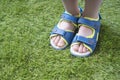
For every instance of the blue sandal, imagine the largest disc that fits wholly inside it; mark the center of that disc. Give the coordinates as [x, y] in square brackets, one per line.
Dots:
[67, 36]
[90, 41]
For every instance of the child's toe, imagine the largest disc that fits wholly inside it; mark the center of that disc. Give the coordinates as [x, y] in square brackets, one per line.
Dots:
[56, 40]
[61, 43]
[53, 39]
[84, 49]
[80, 48]
[75, 47]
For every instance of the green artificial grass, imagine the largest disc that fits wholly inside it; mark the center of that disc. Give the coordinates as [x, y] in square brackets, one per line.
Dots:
[25, 53]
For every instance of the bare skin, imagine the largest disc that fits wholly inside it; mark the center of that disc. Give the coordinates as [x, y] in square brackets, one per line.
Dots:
[91, 10]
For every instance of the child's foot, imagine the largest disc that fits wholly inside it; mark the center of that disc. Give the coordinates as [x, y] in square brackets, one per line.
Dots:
[64, 32]
[85, 32]
[64, 25]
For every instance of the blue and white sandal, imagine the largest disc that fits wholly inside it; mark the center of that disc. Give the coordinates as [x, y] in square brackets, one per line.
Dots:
[90, 41]
[66, 35]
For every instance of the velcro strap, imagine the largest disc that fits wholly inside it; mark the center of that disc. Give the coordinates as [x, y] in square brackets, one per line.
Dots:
[68, 36]
[56, 30]
[89, 41]
[93, 24]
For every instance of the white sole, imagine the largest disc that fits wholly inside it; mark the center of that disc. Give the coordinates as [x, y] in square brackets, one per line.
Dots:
[74, 53]
[56, 47]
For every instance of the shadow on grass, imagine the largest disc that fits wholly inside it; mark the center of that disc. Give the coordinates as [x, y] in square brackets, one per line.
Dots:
[109, 40]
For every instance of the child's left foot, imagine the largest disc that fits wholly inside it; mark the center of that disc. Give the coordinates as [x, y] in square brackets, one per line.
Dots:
[85, 40]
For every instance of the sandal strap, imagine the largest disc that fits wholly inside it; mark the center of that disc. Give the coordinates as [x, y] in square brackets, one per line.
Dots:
[90, 23]
[89, 41]
[68, 36]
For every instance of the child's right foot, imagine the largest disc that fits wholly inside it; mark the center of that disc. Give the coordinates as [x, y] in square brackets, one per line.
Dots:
[63, 34]
[57, 39]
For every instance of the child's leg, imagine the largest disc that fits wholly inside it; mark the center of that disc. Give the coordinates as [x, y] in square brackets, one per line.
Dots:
[71, 6]
[92, 8]
[91, 11]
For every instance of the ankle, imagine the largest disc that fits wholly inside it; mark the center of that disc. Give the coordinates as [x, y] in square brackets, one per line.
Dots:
[92, 16]
[74, 13]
